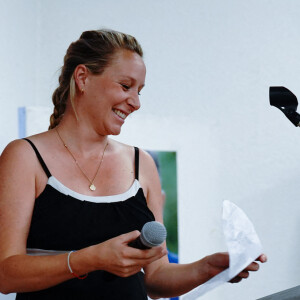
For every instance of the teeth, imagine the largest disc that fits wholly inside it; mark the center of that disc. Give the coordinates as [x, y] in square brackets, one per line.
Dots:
[119, 113]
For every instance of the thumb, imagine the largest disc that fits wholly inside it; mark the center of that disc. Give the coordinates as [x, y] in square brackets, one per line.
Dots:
[130, 236]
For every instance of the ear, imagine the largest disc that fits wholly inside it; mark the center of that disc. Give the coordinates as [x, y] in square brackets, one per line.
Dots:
[80, 75]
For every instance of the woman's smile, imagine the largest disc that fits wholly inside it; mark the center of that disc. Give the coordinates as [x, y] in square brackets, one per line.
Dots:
[120, 114]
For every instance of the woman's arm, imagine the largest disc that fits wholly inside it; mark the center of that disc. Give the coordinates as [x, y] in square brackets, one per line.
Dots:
[164, 279]
[22, 273]
[19, 272]
[170, 280]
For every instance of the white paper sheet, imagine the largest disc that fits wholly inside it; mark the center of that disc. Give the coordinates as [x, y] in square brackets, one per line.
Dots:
[243, 246]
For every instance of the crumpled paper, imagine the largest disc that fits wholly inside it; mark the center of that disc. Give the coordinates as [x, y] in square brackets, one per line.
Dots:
[243, 246]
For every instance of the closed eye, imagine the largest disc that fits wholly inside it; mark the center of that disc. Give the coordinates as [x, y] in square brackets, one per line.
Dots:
[127, 87]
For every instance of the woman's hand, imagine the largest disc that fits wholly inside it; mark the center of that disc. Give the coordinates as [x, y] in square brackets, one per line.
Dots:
[115, 256]
[218, 262]
[252, 267]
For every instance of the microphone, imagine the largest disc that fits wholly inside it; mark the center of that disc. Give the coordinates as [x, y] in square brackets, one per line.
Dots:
[153, 234]
[286, 101]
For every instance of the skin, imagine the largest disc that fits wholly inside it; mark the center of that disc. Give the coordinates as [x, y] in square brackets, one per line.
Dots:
[98, 101]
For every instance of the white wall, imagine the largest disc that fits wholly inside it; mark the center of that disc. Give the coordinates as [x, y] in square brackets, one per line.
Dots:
[210, 64]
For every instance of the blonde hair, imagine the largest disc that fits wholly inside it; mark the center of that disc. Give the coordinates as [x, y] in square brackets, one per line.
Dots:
[95, 50]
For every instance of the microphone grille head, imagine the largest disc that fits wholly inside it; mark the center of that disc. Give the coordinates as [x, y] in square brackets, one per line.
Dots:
[153, 234]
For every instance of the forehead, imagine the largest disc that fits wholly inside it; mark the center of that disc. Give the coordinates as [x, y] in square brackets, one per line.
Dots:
[126, 62]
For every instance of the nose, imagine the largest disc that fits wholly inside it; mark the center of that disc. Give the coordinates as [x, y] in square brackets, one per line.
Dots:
[134, 102]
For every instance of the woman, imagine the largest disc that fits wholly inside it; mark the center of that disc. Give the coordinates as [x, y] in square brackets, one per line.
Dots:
[75, 198]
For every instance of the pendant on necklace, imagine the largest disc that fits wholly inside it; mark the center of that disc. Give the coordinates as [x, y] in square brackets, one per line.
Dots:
[92, 187]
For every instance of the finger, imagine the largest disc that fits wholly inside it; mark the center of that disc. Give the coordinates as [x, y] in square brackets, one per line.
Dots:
[151, 259]
[235, 280]
[130, 236]
[239, 277]
[262, 258]
[147, 254]
[253, 267]
[244, 274]
[144, 261]
[131, 266]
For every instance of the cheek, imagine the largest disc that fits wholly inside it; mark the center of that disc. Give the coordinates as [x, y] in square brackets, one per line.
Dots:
[105, 99]
[116, 98]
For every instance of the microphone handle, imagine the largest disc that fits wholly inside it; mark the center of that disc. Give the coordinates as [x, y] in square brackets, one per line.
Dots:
[137, 243]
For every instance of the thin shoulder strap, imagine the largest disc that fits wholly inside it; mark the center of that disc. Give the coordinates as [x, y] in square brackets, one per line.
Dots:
[136, 162]
[45, 168]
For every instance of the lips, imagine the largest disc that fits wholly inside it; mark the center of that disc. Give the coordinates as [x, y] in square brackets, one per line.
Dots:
[119, 113]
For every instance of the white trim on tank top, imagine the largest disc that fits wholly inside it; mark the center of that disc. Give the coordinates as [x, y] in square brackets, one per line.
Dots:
[132, 191]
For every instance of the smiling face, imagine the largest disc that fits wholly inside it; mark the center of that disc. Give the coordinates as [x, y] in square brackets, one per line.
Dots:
[110, 97]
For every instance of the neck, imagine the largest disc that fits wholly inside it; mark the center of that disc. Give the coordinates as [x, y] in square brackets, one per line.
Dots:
[80, 138]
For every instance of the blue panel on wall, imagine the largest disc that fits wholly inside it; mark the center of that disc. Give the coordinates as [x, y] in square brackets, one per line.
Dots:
[22, 121]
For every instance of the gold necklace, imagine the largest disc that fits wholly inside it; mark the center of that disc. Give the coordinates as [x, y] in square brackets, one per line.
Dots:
[92, 186]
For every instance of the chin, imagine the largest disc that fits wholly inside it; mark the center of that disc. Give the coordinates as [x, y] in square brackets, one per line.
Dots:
[115, 131]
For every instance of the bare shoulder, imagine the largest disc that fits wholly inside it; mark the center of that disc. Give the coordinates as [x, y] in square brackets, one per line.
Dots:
[44, 140]
[20, 151]
[116, 144]
[17, 166]
[126, 151]
[147, 164]
[16, 151]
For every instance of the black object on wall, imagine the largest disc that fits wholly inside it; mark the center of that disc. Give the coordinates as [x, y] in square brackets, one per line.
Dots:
[286, 101]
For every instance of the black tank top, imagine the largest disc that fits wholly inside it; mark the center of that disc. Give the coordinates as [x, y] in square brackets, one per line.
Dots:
[62, 222]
